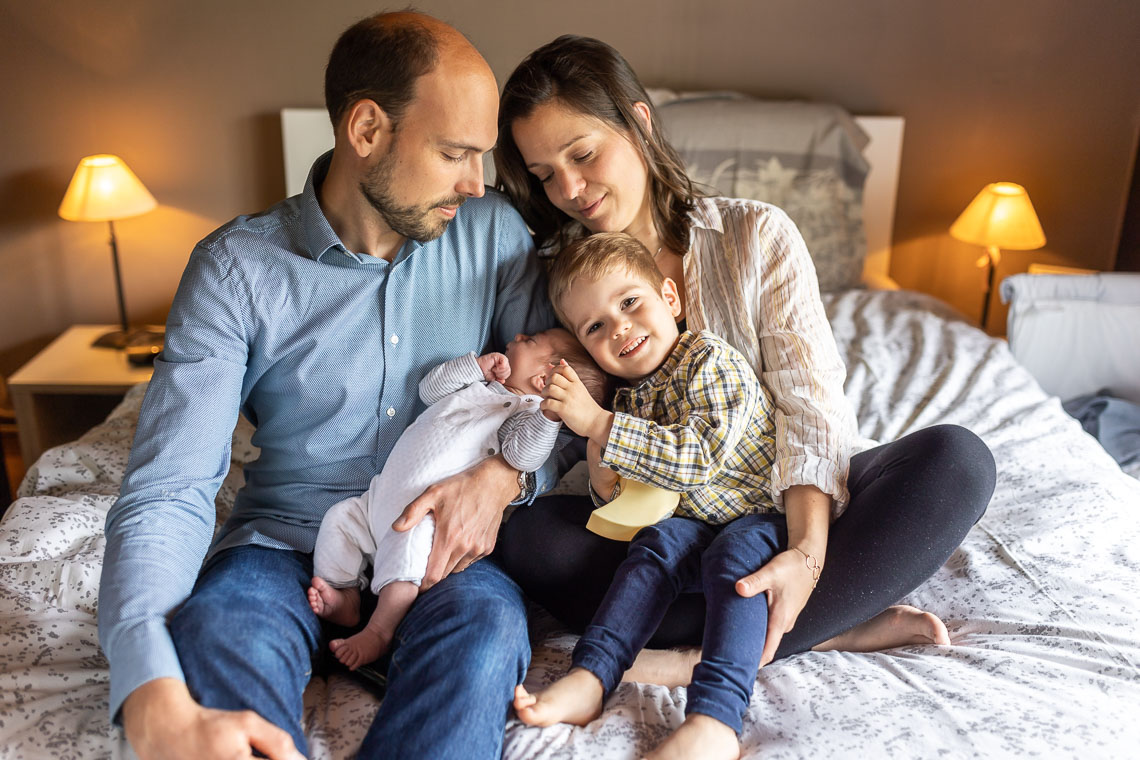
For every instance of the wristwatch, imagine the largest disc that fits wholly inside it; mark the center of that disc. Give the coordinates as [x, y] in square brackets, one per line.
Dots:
[524, 487]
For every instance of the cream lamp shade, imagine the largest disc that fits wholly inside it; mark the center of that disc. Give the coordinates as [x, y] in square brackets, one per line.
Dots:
[102, 189]
[1000, 216]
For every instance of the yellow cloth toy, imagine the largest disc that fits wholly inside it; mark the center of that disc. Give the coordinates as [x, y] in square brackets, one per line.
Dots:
[635, 507]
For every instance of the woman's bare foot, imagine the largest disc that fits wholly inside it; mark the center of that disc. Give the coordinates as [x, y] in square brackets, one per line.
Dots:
[575, 698]
[699, 736]
[898, 626]
[336, 605]
[665, 667]
[360, 648]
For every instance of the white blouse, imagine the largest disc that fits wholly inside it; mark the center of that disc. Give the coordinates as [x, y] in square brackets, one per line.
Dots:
[749, 279]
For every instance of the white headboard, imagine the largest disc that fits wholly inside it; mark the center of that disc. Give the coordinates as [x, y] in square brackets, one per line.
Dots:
[306, 134]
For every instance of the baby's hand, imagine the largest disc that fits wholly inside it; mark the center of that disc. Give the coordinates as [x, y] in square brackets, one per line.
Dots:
[495, 366]
[566, 396]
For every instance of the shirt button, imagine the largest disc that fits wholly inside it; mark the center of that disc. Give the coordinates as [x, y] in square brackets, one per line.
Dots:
[391, 412]
[395, 339]
[506, 404]
[490, 452]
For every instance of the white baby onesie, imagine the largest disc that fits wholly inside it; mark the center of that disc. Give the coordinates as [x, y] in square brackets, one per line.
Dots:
[466, 421]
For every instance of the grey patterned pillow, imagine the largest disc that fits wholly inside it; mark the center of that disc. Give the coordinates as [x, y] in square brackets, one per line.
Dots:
[804, 157]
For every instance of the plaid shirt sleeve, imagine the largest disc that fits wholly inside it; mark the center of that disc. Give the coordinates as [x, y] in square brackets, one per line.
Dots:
[703, 411]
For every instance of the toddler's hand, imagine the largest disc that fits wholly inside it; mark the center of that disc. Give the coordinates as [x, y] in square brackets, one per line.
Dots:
[602, 478]
[566, 396]
[496, 368]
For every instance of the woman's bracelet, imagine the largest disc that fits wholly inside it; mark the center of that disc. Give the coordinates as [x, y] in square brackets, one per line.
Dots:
[812, 564]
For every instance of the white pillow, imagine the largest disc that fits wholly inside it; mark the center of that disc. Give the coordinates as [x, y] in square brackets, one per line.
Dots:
[1077, 334]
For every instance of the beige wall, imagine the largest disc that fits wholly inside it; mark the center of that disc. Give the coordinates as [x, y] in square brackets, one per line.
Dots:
[1041, 92]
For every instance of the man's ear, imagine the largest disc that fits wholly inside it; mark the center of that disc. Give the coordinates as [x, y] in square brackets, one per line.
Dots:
[641, 110]
[672, 296]
[367, 128]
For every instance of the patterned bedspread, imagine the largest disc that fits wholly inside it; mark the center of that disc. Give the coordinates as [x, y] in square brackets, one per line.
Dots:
[1040, 599]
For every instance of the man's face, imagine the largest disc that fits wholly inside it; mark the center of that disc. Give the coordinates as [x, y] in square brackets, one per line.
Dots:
[434, 161]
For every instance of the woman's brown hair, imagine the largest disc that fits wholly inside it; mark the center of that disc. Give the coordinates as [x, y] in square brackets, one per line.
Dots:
[588, 76]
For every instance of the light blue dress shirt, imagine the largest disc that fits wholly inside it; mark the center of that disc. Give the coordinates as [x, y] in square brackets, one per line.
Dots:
[322, 349]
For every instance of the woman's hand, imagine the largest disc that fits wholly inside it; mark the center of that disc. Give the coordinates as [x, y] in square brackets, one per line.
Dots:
[467, 508]
[788, 582]
[566, 396]
[496, 367]
[789, 578]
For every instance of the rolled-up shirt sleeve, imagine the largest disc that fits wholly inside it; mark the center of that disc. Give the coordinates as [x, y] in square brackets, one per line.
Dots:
[801, 366]
[160, 528]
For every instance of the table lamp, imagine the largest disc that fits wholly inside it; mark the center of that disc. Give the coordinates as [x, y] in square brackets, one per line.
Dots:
[1000, 216]
[103, 189]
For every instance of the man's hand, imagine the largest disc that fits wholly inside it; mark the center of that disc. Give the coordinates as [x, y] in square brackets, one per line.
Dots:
[163, 722]
[467, 508]
[496, 367]
[566, 396]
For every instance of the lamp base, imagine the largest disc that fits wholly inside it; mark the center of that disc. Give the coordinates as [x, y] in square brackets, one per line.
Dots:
[131, 338]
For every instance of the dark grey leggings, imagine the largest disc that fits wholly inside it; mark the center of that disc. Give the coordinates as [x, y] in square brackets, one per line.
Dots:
[912, 503]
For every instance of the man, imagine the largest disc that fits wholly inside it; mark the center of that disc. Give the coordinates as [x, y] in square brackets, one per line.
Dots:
[317, 318]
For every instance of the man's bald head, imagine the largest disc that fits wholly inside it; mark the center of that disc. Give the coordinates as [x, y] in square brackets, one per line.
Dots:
[382, 57]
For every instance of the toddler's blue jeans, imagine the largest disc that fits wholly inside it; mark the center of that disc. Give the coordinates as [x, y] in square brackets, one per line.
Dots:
[679, 555]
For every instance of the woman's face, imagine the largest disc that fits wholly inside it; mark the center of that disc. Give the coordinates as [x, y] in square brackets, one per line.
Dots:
[589, 169]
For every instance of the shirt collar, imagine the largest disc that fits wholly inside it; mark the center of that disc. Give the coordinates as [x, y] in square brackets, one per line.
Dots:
[706, 216]
[661, 375]
[318, 232]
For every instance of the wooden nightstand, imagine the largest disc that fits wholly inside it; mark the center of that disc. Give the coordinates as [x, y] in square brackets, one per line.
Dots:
[67, 388]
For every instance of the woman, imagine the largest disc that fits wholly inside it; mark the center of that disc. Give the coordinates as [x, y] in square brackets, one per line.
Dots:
[580, 152]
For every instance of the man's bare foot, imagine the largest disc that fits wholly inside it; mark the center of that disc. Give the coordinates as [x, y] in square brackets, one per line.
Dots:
[699, 736]
[359, 648]
[336, 605]
[898, 626]
[665, 667]
[575, 698]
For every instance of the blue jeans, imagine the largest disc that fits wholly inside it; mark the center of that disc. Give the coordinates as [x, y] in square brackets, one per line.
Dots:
[681, 555]
[247, 640]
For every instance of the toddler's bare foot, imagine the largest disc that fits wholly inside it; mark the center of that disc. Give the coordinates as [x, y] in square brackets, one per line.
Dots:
[336, 605]
[359, 649]
[898, 626]
[699, 736]
[575, 698]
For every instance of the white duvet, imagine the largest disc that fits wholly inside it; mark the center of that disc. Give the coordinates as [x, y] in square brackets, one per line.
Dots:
[1040, 600]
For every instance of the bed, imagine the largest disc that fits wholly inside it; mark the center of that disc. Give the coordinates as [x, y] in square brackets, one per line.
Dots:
[1040, 599]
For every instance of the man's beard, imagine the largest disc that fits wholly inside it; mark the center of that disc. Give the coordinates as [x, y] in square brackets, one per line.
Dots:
[420, 223]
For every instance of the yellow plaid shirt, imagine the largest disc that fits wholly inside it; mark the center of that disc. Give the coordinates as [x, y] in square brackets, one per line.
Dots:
[701, 424]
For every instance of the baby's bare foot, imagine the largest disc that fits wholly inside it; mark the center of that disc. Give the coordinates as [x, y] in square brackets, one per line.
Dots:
[898, 626]
[699, 736]
[336, 605]
[575, 698]
[359, 649]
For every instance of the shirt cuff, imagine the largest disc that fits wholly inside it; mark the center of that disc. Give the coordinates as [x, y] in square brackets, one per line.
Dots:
[141, 654]
[805, 470]
[625, 444]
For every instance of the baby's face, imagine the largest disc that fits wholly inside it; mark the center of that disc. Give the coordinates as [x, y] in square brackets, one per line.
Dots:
[627, 326]
[530, 357]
